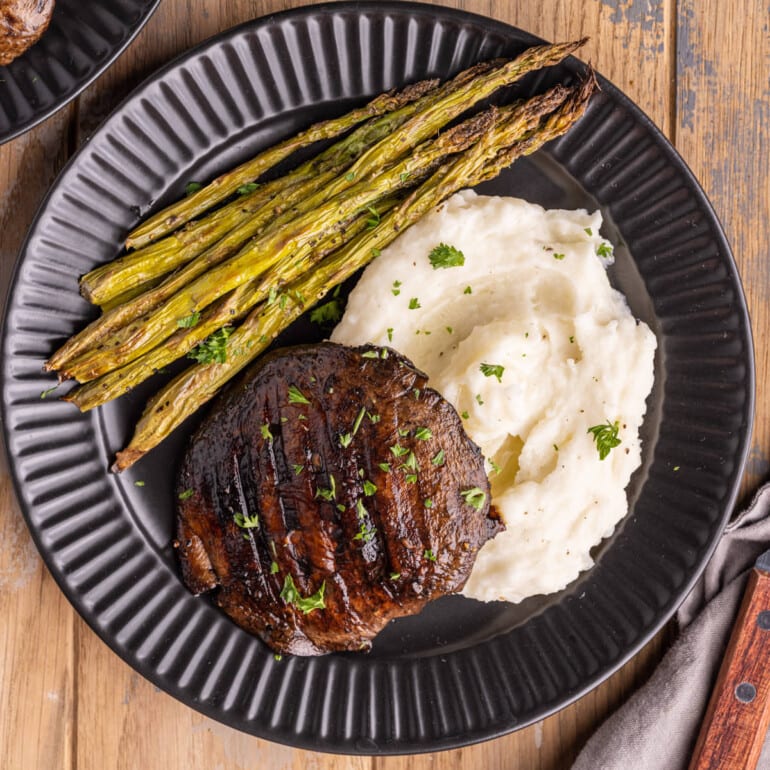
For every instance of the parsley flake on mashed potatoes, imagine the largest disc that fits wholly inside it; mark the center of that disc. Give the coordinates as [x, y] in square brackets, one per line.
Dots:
[527, 339]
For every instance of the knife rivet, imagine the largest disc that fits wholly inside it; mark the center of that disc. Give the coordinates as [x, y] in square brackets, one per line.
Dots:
[745, 692]
[763, 620]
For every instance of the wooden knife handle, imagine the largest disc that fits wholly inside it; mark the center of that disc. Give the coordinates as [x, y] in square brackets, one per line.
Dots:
[738, 714]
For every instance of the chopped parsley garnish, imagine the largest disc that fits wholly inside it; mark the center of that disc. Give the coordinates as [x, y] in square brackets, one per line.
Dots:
[403, 432]
[296, 396]
[390, 334]
[369, 488]
[374, 219]
[345, 439]
[189, 321]
[414, 303]
[493, 370]
[350, 176]
[558, 256]
[605, 437]
[464, 415]
[384, 467]
[416, 393]
[48, 392]
[398, 451]
[467, 290]
[328, 313]
[138, 483]
[340, 507]
[273, 567]
[266, 432]
[495, 467]
[186, 494]
[555, 447]
[247, 188]
[330, 493]
[588, 231]
[676, 468]
[479, 399]
[370, 354]
[306, 604]
[427, 502]
[395, 575]
[411, 462]
[277, 656]
[438, 459]
[474, 497]
[366, 532]
[444, 255]
[298, 469]
[410, 478]
[423, 433]
[376, 253]
[571, 338]
[604, 250]
[373, 418]
[192, 187]
[246, 521]
[359, 419]
[404, 175]
[449, 329]
[396, 291]
[213, 349]
[429, 555]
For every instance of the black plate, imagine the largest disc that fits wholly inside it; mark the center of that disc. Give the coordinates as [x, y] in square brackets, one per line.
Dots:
[83, 39]
[461, 671]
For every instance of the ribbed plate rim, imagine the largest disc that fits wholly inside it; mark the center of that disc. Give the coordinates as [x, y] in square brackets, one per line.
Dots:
[741, 309]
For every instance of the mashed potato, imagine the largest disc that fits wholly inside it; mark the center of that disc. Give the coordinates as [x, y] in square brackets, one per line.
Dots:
[533, 347]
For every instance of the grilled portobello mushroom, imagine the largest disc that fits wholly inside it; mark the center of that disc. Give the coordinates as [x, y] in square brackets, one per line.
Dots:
[328, 492]
[22, 23]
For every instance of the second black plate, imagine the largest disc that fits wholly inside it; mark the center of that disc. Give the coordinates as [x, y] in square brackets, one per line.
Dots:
[83, 39]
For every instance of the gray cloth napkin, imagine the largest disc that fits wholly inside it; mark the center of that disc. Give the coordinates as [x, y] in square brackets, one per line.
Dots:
[657, 727]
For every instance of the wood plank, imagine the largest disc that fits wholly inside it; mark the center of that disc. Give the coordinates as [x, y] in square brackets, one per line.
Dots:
[723, 110]
[37, 684]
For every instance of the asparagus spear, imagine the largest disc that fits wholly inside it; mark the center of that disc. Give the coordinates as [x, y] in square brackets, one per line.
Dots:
[222, 187]
[340, 154]
[158, 258]
[198, 384]
[228, 309]
[120, 316]
[456, 102]
[297, 240]
[522, 119]
[432, 111]
[102, 285]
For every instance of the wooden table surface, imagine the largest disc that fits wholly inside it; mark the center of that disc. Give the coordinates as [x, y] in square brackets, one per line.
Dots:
[699, 68]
